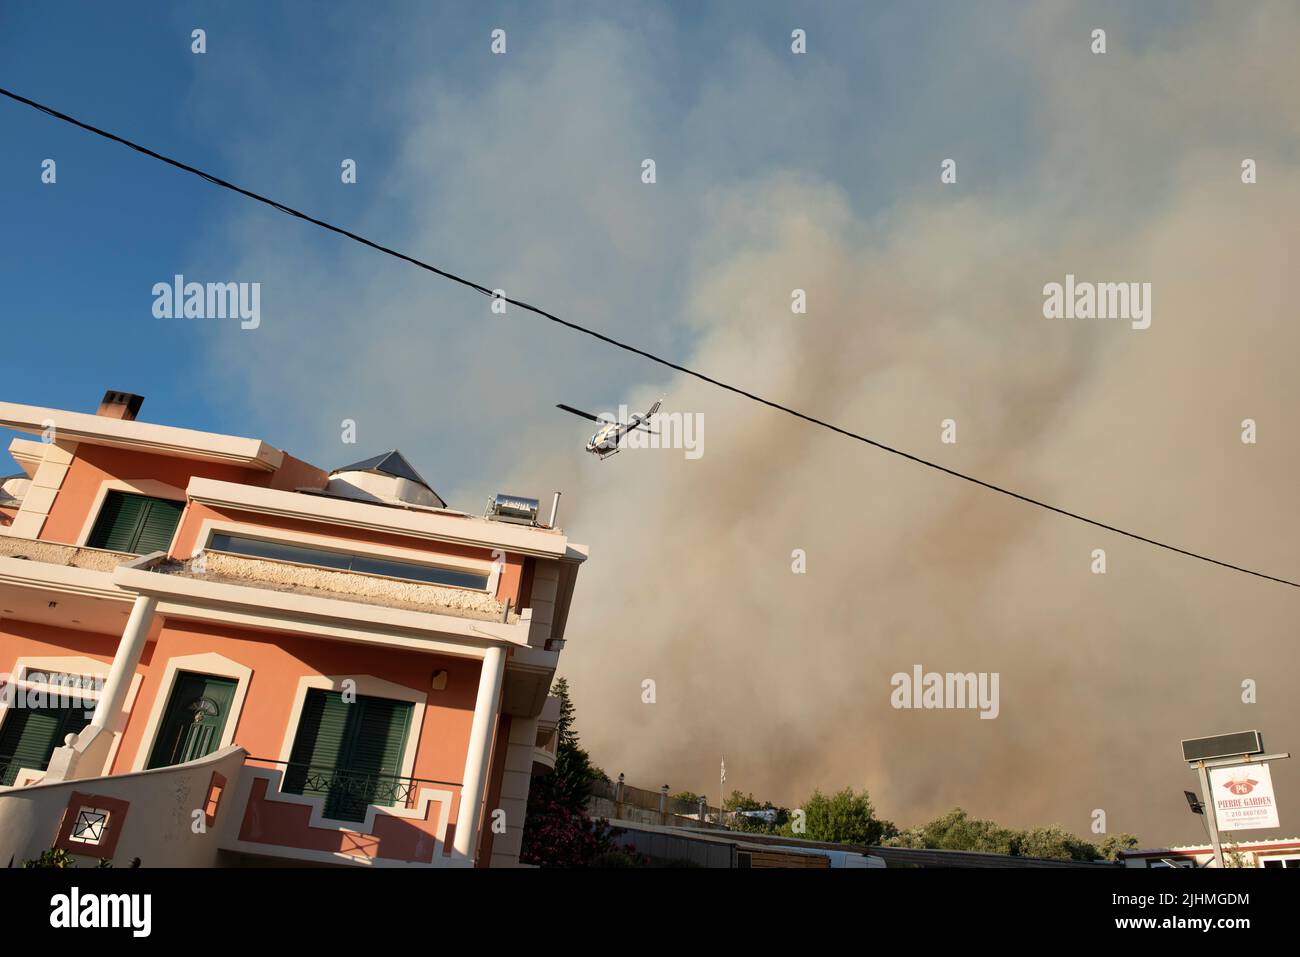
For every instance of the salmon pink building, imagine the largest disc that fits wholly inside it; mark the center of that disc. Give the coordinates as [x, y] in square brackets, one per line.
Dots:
[215, 654]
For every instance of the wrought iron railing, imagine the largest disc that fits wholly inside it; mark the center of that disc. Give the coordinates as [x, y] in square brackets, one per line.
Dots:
[9, 768]
[350, 792]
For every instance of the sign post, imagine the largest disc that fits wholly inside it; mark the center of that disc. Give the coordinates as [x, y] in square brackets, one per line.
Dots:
[1212, 816]
[1234, 763]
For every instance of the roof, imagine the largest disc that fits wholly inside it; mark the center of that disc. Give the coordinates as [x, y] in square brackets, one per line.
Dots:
[391, 463]
[1261, 845]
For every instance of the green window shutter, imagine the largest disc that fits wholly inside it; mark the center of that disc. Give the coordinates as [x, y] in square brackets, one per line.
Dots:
[118, 522]
[159, 526]
[381, 737]
[350, 753]
[30, 735]
[135, 523]
[318, 745]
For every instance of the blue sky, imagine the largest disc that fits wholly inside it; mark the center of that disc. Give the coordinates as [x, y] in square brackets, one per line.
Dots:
[284, 92]
[775, 171]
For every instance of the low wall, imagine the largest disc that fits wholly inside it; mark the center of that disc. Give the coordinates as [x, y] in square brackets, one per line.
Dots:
[151, 814]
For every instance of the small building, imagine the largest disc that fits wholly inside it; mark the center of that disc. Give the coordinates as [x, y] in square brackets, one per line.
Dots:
[214, 653]
[1284, 852]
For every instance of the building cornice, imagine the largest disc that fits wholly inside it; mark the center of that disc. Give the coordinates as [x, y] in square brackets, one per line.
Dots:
[433, 526]
[197, 599]
[141, 436]
[64, 579]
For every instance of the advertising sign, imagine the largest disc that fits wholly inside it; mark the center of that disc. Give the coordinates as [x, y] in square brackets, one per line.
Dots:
[1243, 797]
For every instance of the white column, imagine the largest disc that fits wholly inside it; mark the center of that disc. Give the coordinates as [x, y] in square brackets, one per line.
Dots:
[129, 649]
[473, 790]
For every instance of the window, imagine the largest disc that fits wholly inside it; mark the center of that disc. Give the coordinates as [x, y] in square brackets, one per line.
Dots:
[135, 523]
[351, 753]
[89, 826]
[1291, 863]
[347, 562]
[29, 736]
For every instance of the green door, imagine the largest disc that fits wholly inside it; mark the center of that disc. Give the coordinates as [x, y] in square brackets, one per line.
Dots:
[349, 752]
[195, 717]
[29, 736]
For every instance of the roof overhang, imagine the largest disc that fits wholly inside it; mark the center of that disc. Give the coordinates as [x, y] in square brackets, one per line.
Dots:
[182, 597]
[141, 436]
[454, 529]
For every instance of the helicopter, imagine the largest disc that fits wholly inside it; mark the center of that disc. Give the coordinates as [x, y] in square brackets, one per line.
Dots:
[606, 440]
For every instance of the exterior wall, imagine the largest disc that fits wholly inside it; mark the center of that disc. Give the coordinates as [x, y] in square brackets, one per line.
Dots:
[93, 465]
[294, 474]
[278, 662]
[515, 762]
[25, 639]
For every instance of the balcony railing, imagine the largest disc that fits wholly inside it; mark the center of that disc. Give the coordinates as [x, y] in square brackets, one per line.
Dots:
[9, 768]
[349, 792]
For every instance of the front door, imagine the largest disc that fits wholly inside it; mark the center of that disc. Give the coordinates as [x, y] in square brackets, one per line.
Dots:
[195, 717]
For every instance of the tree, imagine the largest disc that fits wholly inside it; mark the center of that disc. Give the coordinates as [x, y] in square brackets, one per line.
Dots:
[1111, 847]
[557, 830]
[841, 818]
[564, 727]
[958, 831]
[556, 836]
[742, 802]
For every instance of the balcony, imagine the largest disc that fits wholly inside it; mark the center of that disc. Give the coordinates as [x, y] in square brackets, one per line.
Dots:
[52, 553]
[288, 577]
[341, 816]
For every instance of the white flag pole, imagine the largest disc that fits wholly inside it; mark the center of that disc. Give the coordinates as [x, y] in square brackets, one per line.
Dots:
[722, 780]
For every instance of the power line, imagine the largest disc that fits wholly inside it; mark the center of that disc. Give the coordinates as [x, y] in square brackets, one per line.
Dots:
[224, 184]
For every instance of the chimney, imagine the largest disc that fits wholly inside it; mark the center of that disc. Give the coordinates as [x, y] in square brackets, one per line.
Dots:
[120, 405]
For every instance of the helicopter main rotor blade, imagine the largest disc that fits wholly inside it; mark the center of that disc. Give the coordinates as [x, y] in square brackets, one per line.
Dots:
[579, 412]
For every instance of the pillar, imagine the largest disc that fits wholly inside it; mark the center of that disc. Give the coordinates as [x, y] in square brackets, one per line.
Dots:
[473, 788]
[125, 661]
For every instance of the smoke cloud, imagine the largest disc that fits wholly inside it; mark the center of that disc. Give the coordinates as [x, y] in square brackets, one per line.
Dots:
[924, 304]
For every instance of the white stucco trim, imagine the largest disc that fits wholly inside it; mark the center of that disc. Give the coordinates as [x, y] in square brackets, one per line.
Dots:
[437, 526]
[200, 599]
[141, 436]
[150, 487]
[47, 463]
[208, 663]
